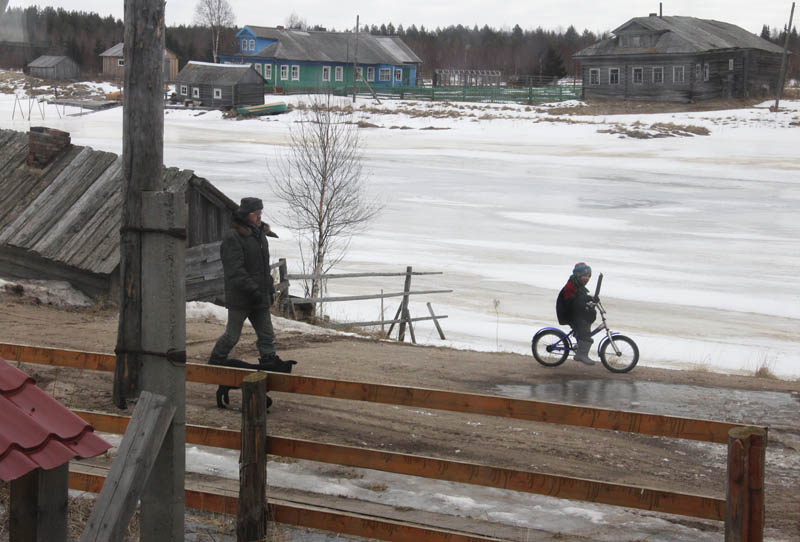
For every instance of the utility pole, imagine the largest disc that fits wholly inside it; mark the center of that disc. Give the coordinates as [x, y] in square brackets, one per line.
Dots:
[355, 62]
[151, 339]
[782, 76]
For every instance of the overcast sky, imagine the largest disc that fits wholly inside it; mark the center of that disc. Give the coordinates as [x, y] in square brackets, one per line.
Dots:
[593, 15]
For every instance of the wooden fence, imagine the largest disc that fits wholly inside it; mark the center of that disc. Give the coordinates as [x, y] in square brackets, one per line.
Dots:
[742, 509]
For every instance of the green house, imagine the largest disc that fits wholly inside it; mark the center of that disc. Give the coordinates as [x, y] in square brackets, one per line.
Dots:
[313, 60]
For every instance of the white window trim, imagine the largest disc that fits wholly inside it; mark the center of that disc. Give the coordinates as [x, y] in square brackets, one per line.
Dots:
[370, 73]
[619, 77]
[698, 71]
[339, 73]
[359, 73]
[252, 45]
[217, 93]
[730, 64]
[398, 71]
[706, 71]
[633, 75]
[655, 69]
[195, 92]
[326, 73]
[120, 62]
[244, 45]
[267, 71]
[184, 90]
[675, 71]
[387, 72]
[284, 72]
[295, 72]
[593, 72]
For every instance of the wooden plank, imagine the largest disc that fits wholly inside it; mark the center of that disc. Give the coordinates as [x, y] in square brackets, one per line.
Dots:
[130, 470]
[251, 521]
[562, 487]
[744, 488]
[381, 322]
[308, 300]
[360, 275]
[490, 405]
[38, 509]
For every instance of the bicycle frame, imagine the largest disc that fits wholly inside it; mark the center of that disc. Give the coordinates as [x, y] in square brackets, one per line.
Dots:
[602, 327]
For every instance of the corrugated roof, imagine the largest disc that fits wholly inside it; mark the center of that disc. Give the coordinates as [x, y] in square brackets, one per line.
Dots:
[36, 431]
[116, 50]
[318, 46]
[221, 74]
[47, 61]
[682, 35]
[70, 211]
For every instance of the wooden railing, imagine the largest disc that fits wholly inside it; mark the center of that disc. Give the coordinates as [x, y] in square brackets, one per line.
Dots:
[742, 511]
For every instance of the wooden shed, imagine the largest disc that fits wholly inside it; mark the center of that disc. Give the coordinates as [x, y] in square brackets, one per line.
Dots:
[53, 67]
[114, 63]
[220, 85]
[679, 59]
[61, 213]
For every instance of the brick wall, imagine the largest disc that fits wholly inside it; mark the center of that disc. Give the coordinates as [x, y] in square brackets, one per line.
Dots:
[44, 144]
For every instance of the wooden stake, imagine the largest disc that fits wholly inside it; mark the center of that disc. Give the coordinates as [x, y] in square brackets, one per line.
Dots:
[436, 322]
[744, 514]
[404, 305]
[38, 508]
[251, 521]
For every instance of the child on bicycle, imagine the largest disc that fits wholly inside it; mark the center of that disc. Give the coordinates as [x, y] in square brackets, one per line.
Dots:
[573, 308]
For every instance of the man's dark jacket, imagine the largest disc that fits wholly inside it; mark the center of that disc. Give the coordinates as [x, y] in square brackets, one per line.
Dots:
[571, 303]
[245, 261]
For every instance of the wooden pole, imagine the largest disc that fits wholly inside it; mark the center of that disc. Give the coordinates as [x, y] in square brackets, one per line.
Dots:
[284, 293]
[744, 514]
[404, 305]
[395, 319]
[151, 341]
[782, 76]
[436, 322]
[251, 521]
[355, 62]
[38, 510]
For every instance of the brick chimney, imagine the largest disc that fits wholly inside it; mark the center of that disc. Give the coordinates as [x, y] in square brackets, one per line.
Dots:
[44, 144]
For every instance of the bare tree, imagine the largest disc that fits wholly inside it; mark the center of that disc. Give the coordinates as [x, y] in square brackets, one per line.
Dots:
[295, 22]
[322, 183]
[216, 14]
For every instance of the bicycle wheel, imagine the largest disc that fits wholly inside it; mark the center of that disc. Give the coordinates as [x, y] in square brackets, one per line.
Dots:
[550, 347]
[628, 354]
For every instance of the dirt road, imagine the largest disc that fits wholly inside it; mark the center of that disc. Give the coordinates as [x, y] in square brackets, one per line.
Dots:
[603, 455]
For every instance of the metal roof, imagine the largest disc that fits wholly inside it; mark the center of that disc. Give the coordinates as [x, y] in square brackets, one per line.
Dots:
[114, 51]
[47, 61]
[219, 74]
[318, 46]
[680, 35]
[36, 431]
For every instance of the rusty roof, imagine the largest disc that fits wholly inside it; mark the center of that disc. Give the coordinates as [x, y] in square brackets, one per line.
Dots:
[36, 431]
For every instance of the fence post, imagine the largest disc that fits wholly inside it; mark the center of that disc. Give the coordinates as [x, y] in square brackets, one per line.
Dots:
[744, 495]
[283, 297]
[404, 306]
[251, 521]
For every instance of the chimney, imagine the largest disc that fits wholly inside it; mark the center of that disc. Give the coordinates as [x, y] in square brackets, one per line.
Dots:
[660, 9]
[44, 144]
[654, 15]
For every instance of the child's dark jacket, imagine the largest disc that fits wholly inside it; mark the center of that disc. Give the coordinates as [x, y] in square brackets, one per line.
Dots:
[571, 303]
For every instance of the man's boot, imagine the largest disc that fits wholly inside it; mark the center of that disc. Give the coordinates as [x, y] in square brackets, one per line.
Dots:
[271, 362]
[582, 352]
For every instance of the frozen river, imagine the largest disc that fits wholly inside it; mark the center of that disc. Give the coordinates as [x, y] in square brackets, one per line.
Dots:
[697, 236]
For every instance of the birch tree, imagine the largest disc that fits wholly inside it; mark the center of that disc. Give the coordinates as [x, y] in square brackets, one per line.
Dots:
[216, 14]
[322, 183]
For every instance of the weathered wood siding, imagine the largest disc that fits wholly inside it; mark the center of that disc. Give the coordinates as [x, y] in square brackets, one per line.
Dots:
[111, 67]
[66, 69]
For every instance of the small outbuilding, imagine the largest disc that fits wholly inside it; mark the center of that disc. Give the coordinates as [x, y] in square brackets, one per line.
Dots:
[679, 59]
[220, 85]
[114, 63]
[53, 67]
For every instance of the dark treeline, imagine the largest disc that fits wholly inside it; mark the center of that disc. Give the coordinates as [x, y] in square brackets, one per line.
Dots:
[83, 36]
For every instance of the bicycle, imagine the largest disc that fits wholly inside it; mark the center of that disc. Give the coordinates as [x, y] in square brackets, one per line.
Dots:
[618, 353]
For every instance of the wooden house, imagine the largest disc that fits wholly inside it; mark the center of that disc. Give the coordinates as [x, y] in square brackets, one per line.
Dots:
[679, 59]
[53, 67]
[114, 63]
[220, 85]
[312, 60]
[61, 213]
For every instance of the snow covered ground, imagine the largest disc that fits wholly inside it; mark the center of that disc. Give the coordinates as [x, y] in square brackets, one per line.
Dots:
[697, 236]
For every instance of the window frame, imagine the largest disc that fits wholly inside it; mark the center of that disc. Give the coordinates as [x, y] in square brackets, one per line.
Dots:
[385, 71]
[675, 71]
[326, 74]
[120, 62]
[359, 73]
[731, 64]
[658, 69]
[295, 72]
[284, 72]
[398, 71]
[640, 70]
[184, 90]
[196, 92]
[592, 73]
[338, 74]
[268, 70]
[706, 72]
[611, 79]
[252, 44]
[244, 44]
[370, 73]
[217, 93]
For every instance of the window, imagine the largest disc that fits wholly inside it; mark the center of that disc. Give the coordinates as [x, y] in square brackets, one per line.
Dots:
[370, 73]
[326, 73]
[697, 70]
[195, 92]
[594, 76]
[244, 45]
[658, 75]
[339, 73]
[398, 74]
[252, 45]
[730, 64]
[284, 73]
[706, 72]
[677, 74]
[217, 93]
[184, 90]
[267, 71]
[613, 76]
[295, 73]
[636, 41]
[384, 74]
[120, 62]
[638, 75]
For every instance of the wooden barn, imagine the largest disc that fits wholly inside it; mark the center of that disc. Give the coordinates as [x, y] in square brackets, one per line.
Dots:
[220, 85]
[53, 67]
[61, 212]
[679, 59]
[114, 63]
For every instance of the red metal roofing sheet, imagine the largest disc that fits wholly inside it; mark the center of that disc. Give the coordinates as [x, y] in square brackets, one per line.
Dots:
[36, 431]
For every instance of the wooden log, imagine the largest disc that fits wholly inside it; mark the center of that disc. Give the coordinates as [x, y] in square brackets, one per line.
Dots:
[296, 276]
[251, 521]
[383, 322]
[309, 300]
[401, 334]
[38, 510]
[436, 321]
[130, 470]
[395, 319]
[744, 492]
